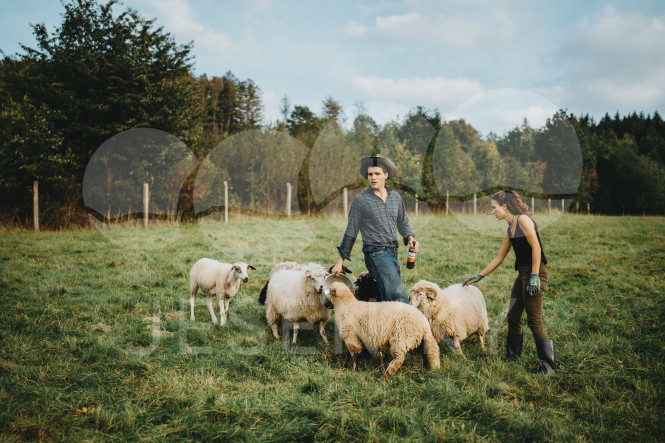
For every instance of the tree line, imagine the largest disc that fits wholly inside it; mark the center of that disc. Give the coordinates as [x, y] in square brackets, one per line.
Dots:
[101, 73]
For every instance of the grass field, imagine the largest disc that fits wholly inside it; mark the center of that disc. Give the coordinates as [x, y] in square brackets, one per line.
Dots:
[61, 380]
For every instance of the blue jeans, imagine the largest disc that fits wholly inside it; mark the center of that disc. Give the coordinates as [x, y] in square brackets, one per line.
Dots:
[384, 267]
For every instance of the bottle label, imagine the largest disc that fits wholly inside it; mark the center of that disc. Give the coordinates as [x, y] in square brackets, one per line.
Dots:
[411, 260]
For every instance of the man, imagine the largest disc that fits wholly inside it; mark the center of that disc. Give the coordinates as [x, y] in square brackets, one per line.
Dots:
[378, 213]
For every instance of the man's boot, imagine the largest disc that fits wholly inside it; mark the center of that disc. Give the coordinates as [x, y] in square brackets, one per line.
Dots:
[546, 356]
[514, 346]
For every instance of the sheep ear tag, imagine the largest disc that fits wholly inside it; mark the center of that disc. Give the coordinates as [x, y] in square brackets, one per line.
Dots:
[251, 267]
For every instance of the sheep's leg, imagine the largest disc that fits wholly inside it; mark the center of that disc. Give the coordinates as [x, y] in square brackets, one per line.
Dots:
[431, 352]
[458, 347]
[481, 336]
[212, 310]
[395, 364]
[296, 326]
[193, 290]
[322, 331]
[273, 320]
[354, 345]
[275, 330]
[223, 311]
[354, 359]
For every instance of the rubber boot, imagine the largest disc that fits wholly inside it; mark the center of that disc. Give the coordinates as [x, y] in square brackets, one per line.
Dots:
[514, 346]
[546, 356]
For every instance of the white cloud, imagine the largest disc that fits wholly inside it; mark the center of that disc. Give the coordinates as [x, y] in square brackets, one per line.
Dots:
[429, 91]
[500, 110]
[255, 5]
[271, 106]
[382, 111]
[437, 29]
[179, 19]
[617, 60]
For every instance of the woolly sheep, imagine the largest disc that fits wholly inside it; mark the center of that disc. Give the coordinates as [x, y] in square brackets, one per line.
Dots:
[457, 311]
[393, 327]
[293, 295]
[284, 266]
[216, 278]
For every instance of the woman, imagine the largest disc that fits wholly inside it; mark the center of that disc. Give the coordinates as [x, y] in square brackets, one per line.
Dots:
[531, 282]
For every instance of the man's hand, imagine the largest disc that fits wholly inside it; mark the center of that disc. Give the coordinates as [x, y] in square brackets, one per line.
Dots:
[475, 279]
[413, 244]
[534, 285]
[338, 268]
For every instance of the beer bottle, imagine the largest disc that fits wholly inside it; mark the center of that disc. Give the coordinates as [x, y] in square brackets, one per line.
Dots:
[411, 260]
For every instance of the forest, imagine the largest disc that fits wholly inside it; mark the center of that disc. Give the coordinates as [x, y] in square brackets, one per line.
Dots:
[68, 103]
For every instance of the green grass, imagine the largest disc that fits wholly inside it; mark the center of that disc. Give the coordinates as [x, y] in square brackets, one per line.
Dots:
[60, 380]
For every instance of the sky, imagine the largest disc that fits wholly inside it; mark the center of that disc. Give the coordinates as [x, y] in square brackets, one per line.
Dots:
[491, 62]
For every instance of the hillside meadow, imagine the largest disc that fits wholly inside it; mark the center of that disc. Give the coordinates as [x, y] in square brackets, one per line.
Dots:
[151, 374]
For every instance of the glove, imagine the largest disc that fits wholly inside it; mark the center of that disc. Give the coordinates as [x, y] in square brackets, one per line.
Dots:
[534, 285]
[475, 279]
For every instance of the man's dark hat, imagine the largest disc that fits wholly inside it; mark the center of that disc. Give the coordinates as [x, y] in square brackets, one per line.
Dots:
[377, 160]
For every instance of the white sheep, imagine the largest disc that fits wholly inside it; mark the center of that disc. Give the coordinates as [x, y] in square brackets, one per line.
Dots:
[457, 311]
[293, 295]
[393, 327]
[216, 278]
[285, 265]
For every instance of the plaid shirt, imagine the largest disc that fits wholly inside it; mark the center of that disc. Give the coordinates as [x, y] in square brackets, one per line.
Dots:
[378, 222]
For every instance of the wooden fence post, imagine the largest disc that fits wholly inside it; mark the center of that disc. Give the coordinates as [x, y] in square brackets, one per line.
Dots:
[146, 204]
[346, 202]
[549, 206]
[588, 208]
[288, 199]
[446, 202]
[35, 205]
[416, 205]
[533, 206]
[226, 202]
[475, 204]
[577, 207]
[563, 210]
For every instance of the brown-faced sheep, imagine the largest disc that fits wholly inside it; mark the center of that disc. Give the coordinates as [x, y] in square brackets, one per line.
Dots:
[216, 278]
[293, 295]
[393, 327]
[457, 311]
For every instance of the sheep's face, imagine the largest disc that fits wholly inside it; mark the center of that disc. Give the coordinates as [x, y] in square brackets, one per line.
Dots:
[423, 292]
[240, 269]
[316, 277]
[339, 291]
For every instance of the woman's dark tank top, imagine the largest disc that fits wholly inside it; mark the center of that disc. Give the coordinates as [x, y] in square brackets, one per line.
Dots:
[521, 246]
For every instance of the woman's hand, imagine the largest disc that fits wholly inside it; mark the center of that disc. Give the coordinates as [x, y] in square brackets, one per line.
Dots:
[534, 285]
[475, 279]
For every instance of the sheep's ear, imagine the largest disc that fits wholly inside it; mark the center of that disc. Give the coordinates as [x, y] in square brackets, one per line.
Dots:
[251, 267]
[431, 293]
[308, 273]
[236, 268]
